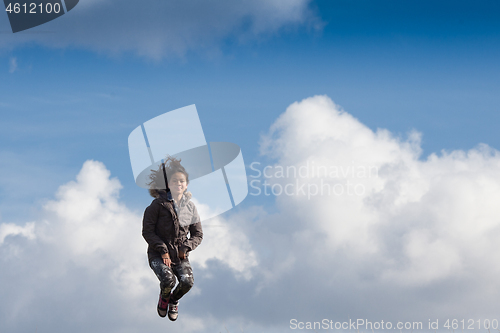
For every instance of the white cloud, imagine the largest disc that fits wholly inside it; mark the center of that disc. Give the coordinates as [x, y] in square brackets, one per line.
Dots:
[90, 257]
[161, 28]
[414, 225]
[225, 241]
[10, 229]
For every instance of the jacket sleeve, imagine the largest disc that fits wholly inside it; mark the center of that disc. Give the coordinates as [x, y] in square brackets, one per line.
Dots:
[195, 233]
[151, 215]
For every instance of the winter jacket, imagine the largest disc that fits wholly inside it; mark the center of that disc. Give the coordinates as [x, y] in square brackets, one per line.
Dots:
[166, 230]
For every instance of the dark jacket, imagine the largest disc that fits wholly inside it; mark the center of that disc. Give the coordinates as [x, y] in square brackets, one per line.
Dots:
[166, 230]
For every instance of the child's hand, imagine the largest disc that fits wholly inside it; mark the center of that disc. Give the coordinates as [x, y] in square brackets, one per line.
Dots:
[166, 259]
[182, 255]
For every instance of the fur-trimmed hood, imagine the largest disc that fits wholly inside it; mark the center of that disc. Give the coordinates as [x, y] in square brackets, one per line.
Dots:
[155, 193]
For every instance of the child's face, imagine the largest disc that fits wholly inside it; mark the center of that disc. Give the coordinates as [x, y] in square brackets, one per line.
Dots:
[177, 183]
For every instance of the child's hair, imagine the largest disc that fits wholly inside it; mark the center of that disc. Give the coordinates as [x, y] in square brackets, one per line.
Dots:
[172, 165]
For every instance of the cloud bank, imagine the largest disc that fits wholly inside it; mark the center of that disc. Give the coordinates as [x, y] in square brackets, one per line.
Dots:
[369, 229]
[386, 226]
[156, 29]
[85, 261]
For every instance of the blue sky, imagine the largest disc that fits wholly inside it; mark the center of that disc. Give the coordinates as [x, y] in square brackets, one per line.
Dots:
[73, 89]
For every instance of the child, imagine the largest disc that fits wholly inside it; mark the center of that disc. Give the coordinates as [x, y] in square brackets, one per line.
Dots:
[165, 227]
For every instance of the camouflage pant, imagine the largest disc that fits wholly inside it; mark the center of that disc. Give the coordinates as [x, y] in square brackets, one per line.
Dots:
[167, 275]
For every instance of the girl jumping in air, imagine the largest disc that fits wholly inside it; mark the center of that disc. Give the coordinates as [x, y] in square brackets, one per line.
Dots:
[165, 227]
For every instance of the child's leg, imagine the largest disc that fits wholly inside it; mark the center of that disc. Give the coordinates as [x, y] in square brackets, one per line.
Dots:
[184, 273]
[165, 275]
